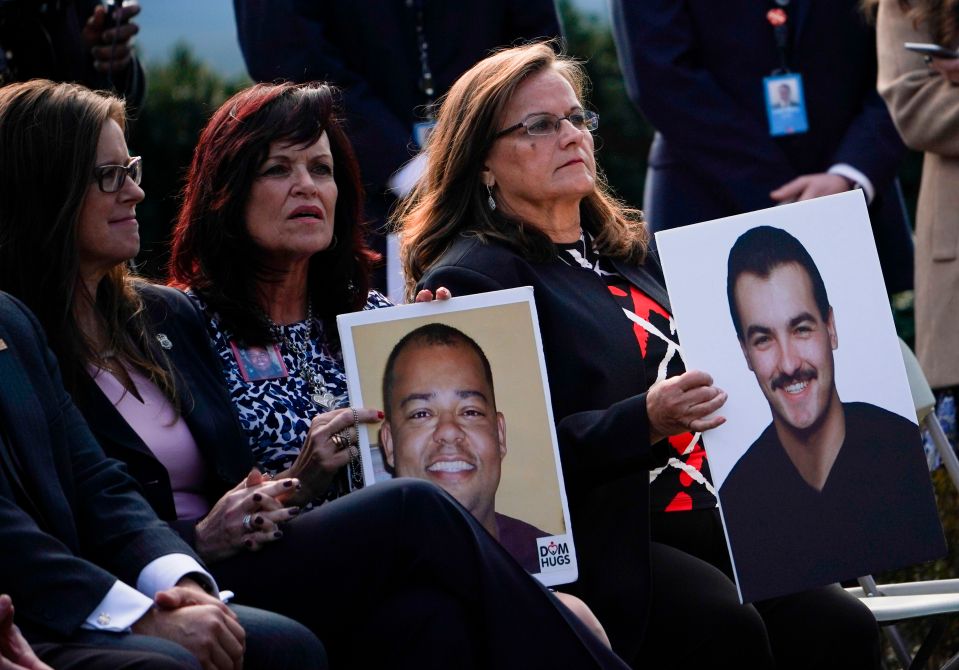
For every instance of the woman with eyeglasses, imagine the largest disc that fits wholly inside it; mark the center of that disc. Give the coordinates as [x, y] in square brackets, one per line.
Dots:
[392, 576]
[512, 197]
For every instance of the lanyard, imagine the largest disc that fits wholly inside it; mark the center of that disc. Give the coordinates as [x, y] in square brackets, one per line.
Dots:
[778, 18]
[423, 46]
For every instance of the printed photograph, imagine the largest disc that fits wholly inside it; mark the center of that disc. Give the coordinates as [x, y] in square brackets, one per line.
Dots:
[819, 467]
[463, 390]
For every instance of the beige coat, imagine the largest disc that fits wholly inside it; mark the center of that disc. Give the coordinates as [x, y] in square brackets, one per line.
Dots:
[925, 108]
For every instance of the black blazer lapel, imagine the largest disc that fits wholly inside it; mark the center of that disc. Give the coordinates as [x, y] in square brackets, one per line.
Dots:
[205, 400]
[110, 424]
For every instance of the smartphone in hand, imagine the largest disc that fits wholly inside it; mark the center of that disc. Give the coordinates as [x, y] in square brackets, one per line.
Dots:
[933, 50]
[113, 11]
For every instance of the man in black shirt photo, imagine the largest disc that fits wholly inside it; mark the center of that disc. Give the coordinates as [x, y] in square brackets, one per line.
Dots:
[830, 490]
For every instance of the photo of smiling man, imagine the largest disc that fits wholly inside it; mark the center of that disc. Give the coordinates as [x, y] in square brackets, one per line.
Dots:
[442, 425]
[829, 488]
[466, 406]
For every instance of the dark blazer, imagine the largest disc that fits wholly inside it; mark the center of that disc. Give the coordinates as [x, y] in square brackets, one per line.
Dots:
[71, 520]
[695, 69]
[206, 408]
[599, 405]
[369, 48]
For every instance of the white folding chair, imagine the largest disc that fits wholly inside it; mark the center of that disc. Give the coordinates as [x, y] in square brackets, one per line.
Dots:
[892, 603]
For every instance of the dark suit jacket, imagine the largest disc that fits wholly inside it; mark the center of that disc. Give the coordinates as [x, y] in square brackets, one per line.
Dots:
[598, 393]
[695, 68]
[71, 520]
[205, 404]
[369, 49]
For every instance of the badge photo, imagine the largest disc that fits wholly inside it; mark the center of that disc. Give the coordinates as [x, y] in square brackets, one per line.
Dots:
[785, 104]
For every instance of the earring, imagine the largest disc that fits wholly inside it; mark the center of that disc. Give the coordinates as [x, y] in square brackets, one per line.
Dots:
[489, 200]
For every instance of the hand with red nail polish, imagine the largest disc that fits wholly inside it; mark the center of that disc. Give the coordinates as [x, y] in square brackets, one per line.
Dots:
[321, 456]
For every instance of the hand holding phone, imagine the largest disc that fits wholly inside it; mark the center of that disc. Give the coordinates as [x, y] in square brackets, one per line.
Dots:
[932, 50]
[113, 11]
[108, 32]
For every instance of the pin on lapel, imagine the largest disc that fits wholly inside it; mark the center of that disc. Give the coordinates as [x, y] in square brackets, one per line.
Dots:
[164, 341]
[3, 344]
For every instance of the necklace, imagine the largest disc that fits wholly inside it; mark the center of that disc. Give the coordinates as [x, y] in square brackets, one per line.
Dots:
[305, 369]
[322, 399]
[565, 252]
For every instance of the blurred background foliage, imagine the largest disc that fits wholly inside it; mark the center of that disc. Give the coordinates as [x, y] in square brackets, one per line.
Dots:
[183, 92]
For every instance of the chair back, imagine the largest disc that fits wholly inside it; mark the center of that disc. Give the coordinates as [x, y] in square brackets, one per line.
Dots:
[922, 396]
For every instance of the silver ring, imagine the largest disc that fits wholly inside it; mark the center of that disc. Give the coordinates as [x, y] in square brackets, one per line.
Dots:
[248, 523]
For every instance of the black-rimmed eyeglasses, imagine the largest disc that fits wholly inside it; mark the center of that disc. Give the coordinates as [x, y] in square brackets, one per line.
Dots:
[110, 178]
[547, 124]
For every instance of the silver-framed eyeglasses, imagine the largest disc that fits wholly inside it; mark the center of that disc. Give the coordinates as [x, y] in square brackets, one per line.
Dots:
[547, 124]
[110, 178]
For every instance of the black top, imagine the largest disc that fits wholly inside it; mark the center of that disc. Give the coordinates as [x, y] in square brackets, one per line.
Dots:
[876, 511]
[682, 482]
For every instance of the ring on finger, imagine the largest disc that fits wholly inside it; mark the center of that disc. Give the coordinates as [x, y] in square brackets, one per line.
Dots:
[339, 441]
[248, 523]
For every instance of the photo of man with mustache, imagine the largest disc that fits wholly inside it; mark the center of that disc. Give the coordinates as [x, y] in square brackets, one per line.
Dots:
[829, 488]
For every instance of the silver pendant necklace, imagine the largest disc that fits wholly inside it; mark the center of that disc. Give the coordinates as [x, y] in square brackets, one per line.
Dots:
[319, 395]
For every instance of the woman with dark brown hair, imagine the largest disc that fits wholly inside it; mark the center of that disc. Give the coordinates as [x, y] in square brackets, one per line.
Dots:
[396, 575]
[512, 197]
[271, 245]
[923, 99]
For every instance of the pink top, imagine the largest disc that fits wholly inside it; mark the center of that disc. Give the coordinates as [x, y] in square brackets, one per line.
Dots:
[165, 433]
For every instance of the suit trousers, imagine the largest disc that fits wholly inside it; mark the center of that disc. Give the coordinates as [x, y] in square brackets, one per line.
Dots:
[272, 641]
[400, 575]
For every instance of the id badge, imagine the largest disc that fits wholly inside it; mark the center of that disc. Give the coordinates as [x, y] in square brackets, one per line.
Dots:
[785, 104]
[421, 132]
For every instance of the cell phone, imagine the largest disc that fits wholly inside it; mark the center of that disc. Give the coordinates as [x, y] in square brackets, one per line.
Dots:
[929, 49]
[113, 8]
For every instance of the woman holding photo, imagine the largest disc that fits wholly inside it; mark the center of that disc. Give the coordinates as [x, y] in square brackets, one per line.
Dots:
[399, 563]
[512, 197]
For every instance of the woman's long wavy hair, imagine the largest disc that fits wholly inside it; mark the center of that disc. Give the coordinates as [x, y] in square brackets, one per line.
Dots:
[450, 198]
[213, 253]
[48, 144]
[940, 17]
